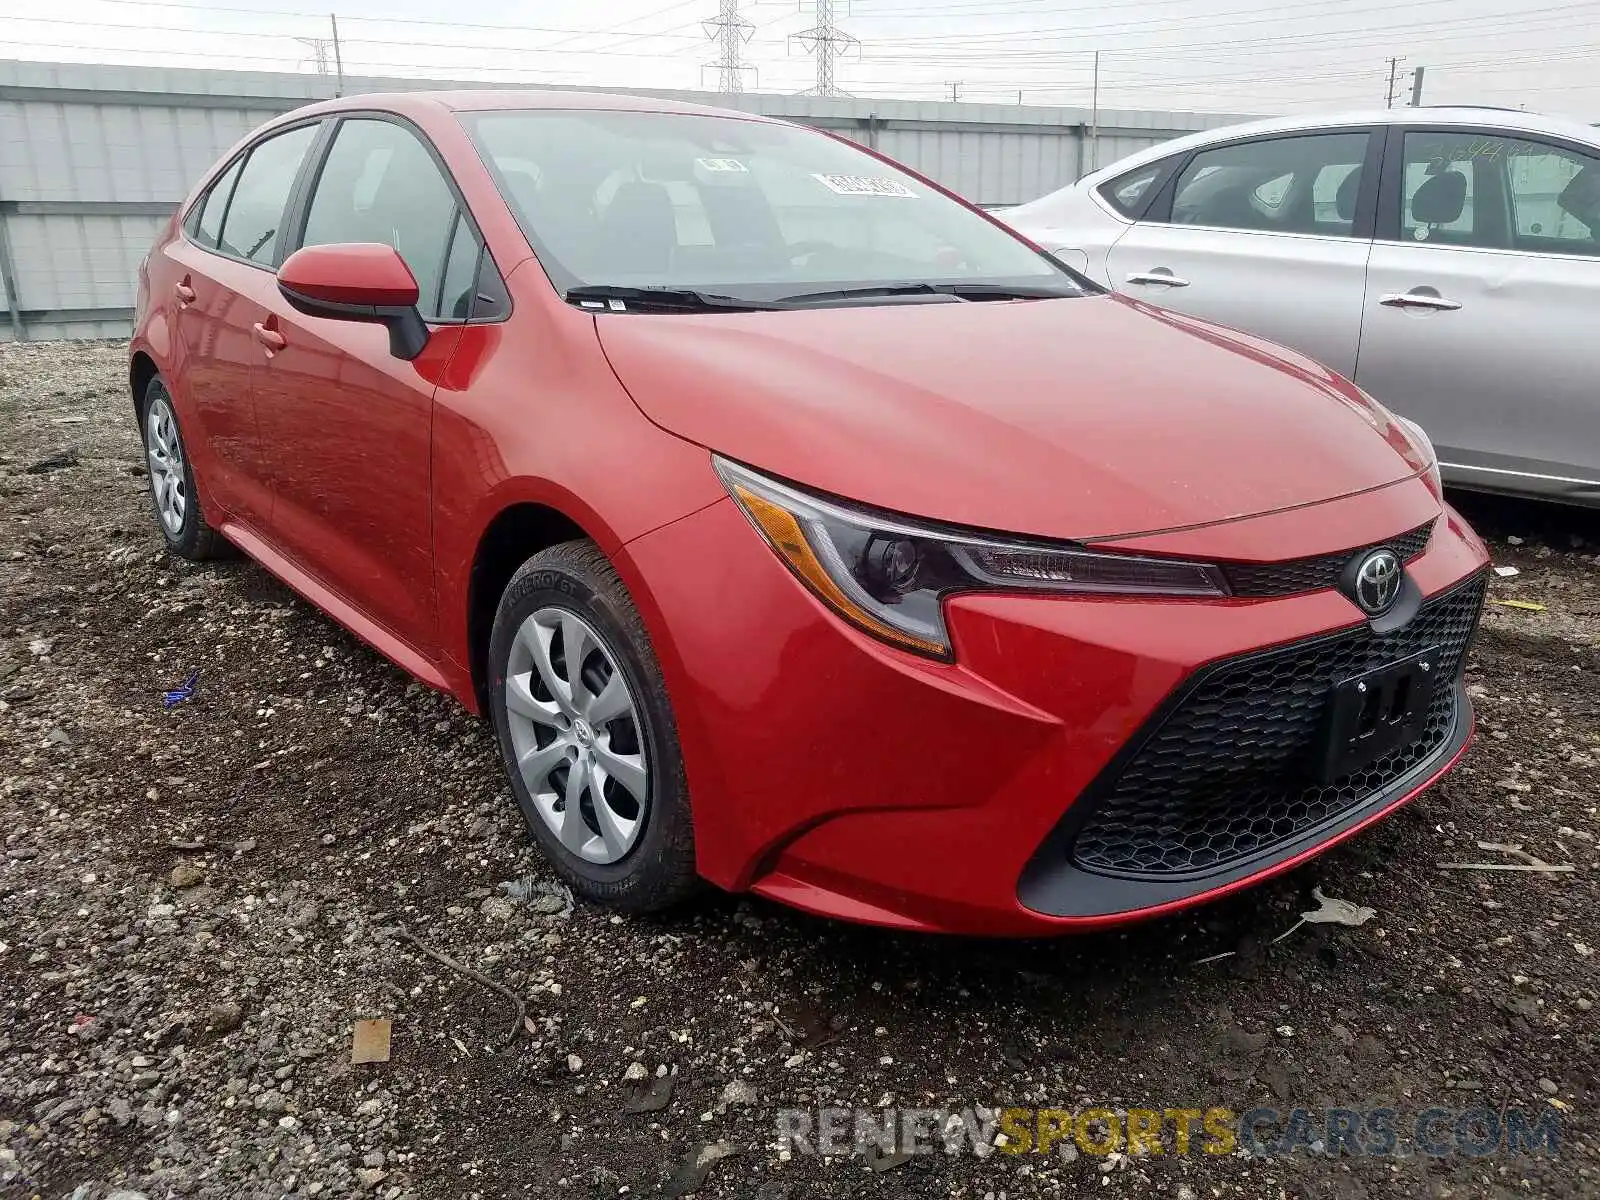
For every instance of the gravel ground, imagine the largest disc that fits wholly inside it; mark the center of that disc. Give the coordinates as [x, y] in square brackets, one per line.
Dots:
[197, 903]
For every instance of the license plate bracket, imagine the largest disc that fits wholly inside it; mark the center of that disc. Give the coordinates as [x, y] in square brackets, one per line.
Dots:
[1375, 713]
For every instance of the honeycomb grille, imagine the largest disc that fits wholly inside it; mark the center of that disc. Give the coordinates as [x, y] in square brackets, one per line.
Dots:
[1225, 774]
[1310, 574]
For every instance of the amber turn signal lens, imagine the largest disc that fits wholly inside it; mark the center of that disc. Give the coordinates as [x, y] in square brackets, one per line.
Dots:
[789, 540]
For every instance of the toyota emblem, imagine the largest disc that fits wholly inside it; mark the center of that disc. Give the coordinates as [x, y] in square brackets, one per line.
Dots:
[1377, 581]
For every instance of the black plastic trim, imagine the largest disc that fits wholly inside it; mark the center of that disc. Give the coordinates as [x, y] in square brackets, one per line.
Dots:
[408, 332]
[1053, 885]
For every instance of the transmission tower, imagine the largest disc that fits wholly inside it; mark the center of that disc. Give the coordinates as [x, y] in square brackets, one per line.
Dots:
[730, 31]
[321, 53]
[826, 41]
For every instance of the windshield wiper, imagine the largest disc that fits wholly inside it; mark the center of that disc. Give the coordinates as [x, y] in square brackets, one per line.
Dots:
[609, 298]
[923, 291]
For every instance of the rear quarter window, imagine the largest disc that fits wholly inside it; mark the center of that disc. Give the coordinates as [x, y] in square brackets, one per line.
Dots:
[1128, 193]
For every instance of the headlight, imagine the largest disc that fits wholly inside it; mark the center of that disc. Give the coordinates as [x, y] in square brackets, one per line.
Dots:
[889, 576]
[1424, 443]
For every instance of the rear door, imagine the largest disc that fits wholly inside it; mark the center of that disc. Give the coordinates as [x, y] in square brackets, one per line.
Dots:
[1482, 295]
[221, 270]
[1267, 234]
[346, 425]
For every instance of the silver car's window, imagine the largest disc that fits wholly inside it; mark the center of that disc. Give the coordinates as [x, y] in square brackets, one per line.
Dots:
[1302, 184]
[380, 184]
[679, 200]
[1514, 193]
[1127, 192]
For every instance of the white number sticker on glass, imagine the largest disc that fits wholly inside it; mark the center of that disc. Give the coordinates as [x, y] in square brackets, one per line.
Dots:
[863, 185]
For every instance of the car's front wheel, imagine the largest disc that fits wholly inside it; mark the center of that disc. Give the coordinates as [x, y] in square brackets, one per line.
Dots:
[586, 732]
[177, 502]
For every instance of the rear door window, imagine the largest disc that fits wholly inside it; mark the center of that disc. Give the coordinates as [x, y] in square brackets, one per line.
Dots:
[1275, 185]
[255, 213]
[212, 206]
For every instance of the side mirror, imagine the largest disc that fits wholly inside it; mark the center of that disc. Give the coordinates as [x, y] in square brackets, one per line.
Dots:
[357, 281]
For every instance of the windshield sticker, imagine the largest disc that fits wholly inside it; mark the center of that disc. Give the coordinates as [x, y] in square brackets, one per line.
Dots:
[863, 185]
[730, 166]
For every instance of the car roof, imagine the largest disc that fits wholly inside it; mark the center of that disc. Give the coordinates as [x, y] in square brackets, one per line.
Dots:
[488, 99]
[1510, 120]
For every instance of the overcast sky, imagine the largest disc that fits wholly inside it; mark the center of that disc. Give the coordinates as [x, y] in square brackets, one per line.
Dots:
[1244, 56]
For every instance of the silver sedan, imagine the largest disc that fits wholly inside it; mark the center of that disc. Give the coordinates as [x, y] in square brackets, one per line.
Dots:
[1446, 259]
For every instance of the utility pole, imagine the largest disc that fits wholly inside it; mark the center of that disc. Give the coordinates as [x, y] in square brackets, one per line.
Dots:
[1094, 118]
[1416, 88]
[1394, 68]
[730, 31]
[955, 89]
[338, 55]
[826, 41]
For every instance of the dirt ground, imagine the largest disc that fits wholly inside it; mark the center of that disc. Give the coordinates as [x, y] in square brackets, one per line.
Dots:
[198, 902]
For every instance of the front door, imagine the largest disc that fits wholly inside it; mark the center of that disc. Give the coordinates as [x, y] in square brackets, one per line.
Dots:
[1267, 235]
[1481, 298]
[347, 425]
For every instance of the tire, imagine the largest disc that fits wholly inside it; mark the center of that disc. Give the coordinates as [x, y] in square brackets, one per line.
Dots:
[630, 852]
[178, 512]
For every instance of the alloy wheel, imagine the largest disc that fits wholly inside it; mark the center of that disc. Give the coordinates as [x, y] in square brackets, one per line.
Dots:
[575, 733]
[168, 479]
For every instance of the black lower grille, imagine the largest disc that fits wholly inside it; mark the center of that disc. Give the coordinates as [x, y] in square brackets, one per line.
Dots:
[1310, 574]
[1224, 773]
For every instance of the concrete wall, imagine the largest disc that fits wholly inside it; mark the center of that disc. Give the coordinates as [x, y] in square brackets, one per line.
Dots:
[94, 158]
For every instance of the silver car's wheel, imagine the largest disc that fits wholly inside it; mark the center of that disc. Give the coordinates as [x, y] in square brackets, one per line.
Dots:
[168, 479]
[575, 735]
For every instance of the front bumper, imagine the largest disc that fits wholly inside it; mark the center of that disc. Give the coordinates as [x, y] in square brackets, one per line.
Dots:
[841, 776]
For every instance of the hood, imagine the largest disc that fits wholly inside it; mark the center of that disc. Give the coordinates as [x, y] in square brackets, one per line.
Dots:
[1074, 418]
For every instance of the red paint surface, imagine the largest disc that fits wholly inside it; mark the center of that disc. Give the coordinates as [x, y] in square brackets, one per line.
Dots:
[353, 273]
[826, 769]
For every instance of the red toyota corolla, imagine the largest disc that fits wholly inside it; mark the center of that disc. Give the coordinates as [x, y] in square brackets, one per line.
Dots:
[798, 527]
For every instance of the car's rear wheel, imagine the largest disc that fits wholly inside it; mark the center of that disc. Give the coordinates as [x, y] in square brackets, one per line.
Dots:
[586, 732]
[178, 511]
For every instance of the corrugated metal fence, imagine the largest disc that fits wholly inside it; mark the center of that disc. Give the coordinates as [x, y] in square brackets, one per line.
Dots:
[94, 158]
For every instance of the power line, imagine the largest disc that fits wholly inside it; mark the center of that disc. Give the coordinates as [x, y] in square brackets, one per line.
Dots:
[1465, 26]
[236, 33]
[614, 31]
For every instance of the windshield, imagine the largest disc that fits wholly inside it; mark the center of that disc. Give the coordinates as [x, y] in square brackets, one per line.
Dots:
[743, 209]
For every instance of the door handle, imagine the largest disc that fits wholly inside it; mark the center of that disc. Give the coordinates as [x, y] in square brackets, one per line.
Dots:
[184, 293]
[1419, 300]
[1158, 275]
[269, 338]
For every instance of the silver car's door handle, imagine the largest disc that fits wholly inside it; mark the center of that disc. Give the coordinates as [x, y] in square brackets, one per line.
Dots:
[1159, 276]
[1419, 300]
